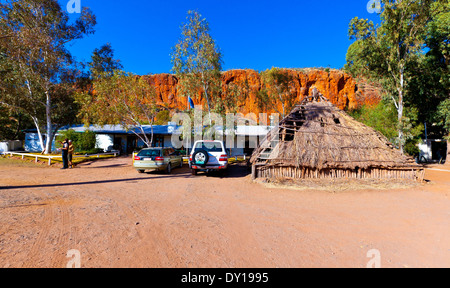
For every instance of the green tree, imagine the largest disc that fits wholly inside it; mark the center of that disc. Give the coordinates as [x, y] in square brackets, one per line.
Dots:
[125, 99]
[196, 60]
[430, 85]
[382, 117]
[12, 124]
[162, 117]
[388, 52]
[277, 90]
[443, 117]
[36, 63]
[103, 62]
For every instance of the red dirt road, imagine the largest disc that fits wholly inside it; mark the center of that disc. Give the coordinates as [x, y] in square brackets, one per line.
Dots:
[116, 217]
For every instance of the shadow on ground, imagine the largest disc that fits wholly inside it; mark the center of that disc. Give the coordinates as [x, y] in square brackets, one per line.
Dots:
[235, 171]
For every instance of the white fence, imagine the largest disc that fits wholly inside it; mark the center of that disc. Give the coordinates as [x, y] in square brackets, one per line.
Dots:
[50, 158]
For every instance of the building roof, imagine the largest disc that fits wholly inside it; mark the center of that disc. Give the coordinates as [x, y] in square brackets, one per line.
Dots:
[118, 129]
[166, 130]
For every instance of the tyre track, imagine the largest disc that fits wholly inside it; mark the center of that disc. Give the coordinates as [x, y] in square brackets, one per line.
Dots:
[152, 248]
[38, 246]
[63, 226]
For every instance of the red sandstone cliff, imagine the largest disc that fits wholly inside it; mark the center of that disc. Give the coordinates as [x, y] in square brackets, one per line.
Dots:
[340, 88]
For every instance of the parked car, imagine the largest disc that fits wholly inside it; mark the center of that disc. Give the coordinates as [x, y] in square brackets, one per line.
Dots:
[208, 156]
[157, 159]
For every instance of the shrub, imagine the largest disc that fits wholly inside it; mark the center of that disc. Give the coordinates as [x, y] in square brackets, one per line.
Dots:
[381, 117]
[82, 142]
[86, 141]
[68, 134]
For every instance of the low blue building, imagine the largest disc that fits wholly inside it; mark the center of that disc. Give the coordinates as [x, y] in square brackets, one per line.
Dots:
[110, 137]
[116, 138]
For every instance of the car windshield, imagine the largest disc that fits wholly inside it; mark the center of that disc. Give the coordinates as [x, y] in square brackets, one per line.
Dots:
[149, 153]
[209, 146]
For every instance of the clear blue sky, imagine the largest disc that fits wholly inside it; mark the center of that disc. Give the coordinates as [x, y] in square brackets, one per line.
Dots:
[251, 34]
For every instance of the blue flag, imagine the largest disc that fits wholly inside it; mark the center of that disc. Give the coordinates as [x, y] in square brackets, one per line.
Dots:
[191, 102]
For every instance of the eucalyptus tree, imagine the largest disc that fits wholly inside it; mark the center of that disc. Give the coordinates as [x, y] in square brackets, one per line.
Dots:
[277, 90]
[196, 60]
[103, 62]
[123, 98]
[388, 52]
[36, 63]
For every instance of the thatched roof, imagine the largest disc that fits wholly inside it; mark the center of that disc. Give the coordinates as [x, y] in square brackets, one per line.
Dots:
[316, 134]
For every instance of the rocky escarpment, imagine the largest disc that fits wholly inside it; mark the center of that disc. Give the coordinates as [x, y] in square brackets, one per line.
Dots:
[340, 88]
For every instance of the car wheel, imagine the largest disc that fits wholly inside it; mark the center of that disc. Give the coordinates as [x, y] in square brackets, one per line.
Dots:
[141, 171]
[169, 168]
[194, 172]
[200, 156]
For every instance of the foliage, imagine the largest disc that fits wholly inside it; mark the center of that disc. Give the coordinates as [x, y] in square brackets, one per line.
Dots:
[391, 53]
[443, 115]
[277, 90]
[38, 72]
[197, 61]
[12, 124]
[82, 142]
[67, 134]
[383, 118]
[430, 86]
[86, 141]
[163, 117]
[233, 95]
[103, 62]
[124, 99]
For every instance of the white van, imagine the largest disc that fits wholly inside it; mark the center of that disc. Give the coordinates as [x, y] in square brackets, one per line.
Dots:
[208, 156]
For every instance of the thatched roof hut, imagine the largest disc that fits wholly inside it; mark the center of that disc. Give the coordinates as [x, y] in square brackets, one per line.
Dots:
[318, 140]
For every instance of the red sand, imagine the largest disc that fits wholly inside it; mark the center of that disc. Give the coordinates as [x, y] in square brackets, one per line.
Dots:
[116, 217]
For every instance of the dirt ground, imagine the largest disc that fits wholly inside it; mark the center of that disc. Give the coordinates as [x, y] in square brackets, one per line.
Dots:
[116, 217]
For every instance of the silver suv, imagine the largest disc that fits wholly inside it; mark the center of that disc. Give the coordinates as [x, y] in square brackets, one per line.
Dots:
[208, 156]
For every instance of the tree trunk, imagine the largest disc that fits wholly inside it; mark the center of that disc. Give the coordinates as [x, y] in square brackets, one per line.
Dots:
[38, 129]
[400, 112]
[209, 106]
[151, 139]
[48, 145]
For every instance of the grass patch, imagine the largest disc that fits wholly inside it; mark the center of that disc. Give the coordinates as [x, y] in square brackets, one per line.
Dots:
[17, 162]
[29, 160]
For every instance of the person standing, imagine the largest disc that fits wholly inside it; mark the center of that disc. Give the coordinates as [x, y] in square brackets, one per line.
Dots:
[65, 154]
[70, 154]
